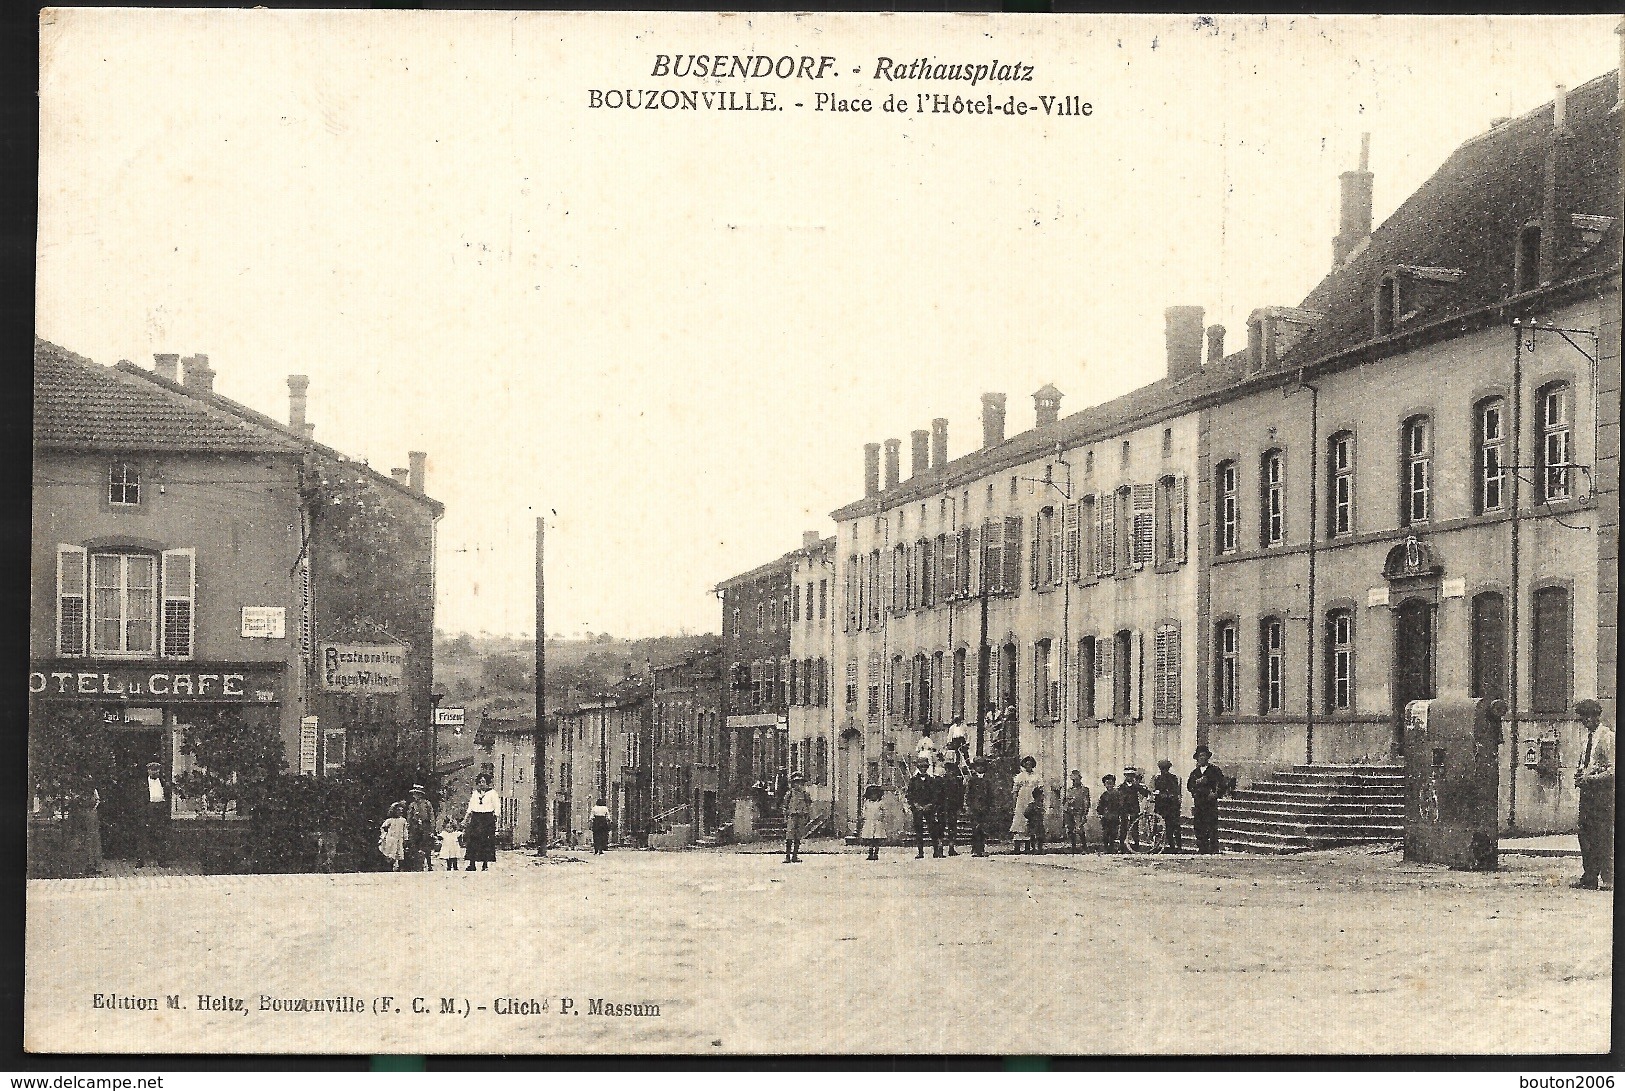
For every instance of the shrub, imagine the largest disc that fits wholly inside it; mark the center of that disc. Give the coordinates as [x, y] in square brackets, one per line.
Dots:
[69, 753]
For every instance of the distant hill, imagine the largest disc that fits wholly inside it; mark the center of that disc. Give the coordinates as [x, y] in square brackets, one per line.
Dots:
[473, 671]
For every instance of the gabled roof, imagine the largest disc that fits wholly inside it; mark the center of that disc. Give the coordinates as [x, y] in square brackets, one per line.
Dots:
[79, 405]
[778, 565]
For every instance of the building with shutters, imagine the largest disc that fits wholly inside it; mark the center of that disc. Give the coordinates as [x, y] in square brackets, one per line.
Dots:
[812, 735]
[172, 572]
[605, 741]
[1040, 591]
[756, 694]
[687, 747]
[1412, 489]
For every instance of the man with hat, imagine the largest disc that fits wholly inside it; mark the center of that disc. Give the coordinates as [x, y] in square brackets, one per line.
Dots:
[420, 831]
[978, 805]
[953, 798]
[797, 808]
[1595, 779]
[924, 799]
[1165, 797]
[154, 815]
[1206, 785]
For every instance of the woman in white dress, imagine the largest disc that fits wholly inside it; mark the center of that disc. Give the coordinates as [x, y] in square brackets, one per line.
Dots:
[480, 824]
[1022, 790]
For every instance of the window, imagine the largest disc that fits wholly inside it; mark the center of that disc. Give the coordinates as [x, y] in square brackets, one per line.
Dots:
[1123, 456]
[894, 690]
[1042, 673]
[736, 621]
[1170, 520]
[1489, 646]
[1089, 530]
[1556, 432]
[934, 713]
[1124, 519]
[1044, 551]
[823, 599]
[124, 484]
[821, 761]
[1225, 676]
[1167, 441]
[1123, 674]
[1417, 482]
[1272, 652]
[123, 603]
[958, 685]
[1340, 469]
[1225, 486]
[795, 603]
[761, 614]
[784, 682]
[1086, 678]
[1165, 700]
[1272, 499]
[795, 679]
[1089, 463]
[1339, 661]
[179, 586]
[1549, 659]
[1490, 469]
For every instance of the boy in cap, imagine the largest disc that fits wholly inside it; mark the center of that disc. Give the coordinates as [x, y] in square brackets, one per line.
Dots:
[1165, 796]
[1075, 812]
[797, 806]
[1111, 839]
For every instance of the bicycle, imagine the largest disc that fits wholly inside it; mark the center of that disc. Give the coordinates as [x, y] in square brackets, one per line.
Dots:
[1147, 833]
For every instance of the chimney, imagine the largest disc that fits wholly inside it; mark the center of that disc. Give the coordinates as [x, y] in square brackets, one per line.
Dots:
[402, 476]
[1182, 329]
[199, 376]
[298, 385]
[166, 364]
[992, 420]
[418, 462]
[1215, 345]
[1255, 342]
[939, 443]
[1354, 224]
[893, 459]
[810, 540]
[1046, 405]
[919, 452]
[1556, 192]
[871, 469]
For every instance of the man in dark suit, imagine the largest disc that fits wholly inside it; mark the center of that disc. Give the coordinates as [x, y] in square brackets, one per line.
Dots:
[1207, 783]
[1165, 795]
[978, 805]
[953, 799]
[924, 797]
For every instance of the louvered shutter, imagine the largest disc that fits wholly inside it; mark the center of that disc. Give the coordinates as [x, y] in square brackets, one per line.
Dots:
[993, 691]
[1143, 499]
[849, 611]
[1011, 581]
[70, 600]
[1033, 551]
[973, 559]
[1106, 542]
[1070, 567]
[1181, 519]
[1136, 678]
[1059, 686]
[992, 557]
[180, 590]
[928, 573]
[950, 566]
[1035, 695]
[1058, 545]
[1106, 676]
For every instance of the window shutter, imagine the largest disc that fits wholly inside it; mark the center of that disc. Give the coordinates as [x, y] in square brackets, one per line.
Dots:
[1035, 696]
[1071, 569]
[992, 557]
[1136, 678]
[1106, 543]
[1181, 519]
[1143, 499]
[1011, 581]
[1059, 686]
[973, 565]
[1106, 677]
[180, 586]
[848, 615]
[888, 579]
[1033, 576]
[1058, 542]
[70, 600]
[950, 566]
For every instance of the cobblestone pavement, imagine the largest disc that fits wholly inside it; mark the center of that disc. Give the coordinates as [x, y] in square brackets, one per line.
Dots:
[1348, 952]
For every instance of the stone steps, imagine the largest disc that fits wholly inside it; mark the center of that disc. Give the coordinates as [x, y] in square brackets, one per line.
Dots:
[1315, 807]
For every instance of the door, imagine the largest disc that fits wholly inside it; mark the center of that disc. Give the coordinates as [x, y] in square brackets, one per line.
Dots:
[123, 800]
[851, 782]
[1413, 659]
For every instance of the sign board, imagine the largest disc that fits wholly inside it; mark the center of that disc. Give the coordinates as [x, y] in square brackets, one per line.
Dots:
[265, 622]
[1377, 596]
[365, 669]
[219, 686]
[448, 717]
[1454, 589]
[333, 740]
[308, 727]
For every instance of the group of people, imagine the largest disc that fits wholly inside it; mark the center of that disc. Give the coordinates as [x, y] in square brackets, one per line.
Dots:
[947, 784]
[409, 840]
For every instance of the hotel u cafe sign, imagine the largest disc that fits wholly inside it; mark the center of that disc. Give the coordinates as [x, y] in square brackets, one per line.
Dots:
[215, 683]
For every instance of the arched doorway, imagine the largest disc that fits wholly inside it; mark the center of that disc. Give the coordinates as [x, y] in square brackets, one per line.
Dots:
[1413, 658]
[850, 772]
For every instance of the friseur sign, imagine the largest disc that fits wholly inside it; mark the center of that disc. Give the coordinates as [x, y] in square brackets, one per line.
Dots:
[362, 668]
[228, 683]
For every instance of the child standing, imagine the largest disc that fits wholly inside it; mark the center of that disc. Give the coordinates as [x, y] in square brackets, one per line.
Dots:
[392, 836]
[451, 844]
[1035, 820]
[874, 819]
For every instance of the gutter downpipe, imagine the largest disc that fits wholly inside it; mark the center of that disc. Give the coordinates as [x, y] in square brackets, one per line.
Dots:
[1314, 541]
[1513, 641]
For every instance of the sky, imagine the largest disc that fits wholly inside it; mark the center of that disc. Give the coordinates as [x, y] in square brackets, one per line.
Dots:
[671, 332]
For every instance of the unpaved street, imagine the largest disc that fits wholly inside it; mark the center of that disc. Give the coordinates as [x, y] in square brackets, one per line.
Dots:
[1350, 952]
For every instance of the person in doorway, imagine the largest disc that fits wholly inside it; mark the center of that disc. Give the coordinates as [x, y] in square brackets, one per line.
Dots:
[873, 830]
[1075, 813]
[978, 805]
[1206, 784]
[392, 836]
[953, 799]
[1166, 795]
[1595, 779]
[480, 824]
[599, 821]
[926, 747]
[419, 831]
[797, 809]
[1035, 821]
[1021, 791]
[1111, 831]
[451, 844]
[924, 799]
[154, 811]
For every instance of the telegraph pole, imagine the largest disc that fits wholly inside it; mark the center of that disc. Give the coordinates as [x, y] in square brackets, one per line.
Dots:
[538, 804]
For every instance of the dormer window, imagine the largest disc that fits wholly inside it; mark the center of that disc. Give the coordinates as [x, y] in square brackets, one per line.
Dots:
[1526, 263]
[124, 484]
[1387, 305]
